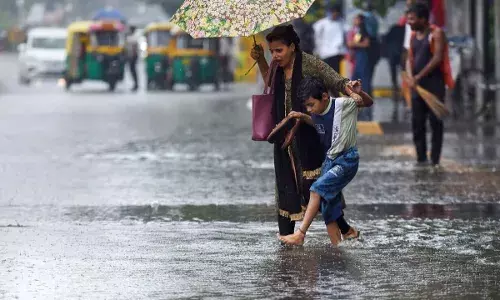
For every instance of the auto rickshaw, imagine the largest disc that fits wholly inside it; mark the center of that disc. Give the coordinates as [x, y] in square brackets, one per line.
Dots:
[159, 50]
[95, 51]
[194, 61]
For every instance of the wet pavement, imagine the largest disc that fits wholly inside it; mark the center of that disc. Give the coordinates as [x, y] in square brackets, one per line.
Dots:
[164, 196]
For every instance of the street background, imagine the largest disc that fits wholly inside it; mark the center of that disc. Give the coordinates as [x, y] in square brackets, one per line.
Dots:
[163, 195]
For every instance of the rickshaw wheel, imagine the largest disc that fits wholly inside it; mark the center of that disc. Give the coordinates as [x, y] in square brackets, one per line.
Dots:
[67, 84]
[150, 85]
[112, 86]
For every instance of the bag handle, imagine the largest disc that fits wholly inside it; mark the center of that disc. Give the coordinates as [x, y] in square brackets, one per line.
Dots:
[271, 73]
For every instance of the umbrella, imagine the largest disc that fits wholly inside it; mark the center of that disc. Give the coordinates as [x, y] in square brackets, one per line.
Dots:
[232, 18]
[109, 14]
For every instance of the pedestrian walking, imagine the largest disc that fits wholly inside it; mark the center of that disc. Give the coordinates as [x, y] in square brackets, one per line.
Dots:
[329, 37]
[335, 121]
[428, 66]
[292, 184]
[225, 57]
[360, 46]
[133, 55]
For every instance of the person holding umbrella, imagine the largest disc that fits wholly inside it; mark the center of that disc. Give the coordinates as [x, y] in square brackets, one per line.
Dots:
[305, 150]
[299, 164]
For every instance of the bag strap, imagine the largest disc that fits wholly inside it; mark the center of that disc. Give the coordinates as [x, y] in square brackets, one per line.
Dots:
[271, 73]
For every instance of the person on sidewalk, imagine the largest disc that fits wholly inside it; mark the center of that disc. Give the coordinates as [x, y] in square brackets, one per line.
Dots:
[428, 66]
[133, 55]
[329, 37]
[360, 47]
[335, 121]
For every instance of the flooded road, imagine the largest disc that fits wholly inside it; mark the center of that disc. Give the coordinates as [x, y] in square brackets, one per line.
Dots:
[164, 196]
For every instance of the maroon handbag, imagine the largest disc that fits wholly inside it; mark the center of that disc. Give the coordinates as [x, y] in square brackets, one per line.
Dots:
[262, 108]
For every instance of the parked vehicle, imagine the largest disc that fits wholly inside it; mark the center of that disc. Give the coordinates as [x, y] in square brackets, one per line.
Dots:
[43, 55]
[95, 51]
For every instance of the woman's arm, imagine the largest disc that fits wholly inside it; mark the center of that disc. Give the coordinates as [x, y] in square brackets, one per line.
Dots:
[333, 80]
[302, 117]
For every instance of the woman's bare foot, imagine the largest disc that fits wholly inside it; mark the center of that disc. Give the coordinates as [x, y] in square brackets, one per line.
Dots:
[352, 234]
[296, 238]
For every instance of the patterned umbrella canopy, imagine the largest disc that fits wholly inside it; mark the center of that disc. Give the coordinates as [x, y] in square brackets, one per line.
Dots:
[231, 18]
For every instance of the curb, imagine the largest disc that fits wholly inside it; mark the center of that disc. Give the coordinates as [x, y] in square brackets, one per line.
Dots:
[381, 128]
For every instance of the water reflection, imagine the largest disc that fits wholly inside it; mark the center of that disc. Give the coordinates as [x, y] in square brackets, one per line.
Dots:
[236, 213]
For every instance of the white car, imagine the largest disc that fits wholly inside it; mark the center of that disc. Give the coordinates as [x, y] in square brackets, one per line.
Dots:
[44, 55]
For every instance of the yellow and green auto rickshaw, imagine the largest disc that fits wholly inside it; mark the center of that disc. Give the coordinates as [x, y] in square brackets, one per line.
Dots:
[159, 50]
[194, 61]
[95, 51]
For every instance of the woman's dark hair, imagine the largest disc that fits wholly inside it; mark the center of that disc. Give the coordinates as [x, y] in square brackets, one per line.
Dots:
[421, 10]
[362, 27]
[286, 34]
[311, 87]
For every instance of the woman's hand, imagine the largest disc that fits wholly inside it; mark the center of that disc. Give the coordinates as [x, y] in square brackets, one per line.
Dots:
[296, 115]
[301, 117]
[257, 53]
[355, 86]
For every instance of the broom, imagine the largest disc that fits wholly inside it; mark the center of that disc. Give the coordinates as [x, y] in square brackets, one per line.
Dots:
[406, 91]
[432, 101]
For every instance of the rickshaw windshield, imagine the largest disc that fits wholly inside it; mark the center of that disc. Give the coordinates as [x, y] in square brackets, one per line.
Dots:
[187, 42]
[48, 43]
[107, 38]
[159, 38]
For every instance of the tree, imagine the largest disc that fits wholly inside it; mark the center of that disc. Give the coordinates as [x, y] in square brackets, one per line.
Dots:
[169, 6]
[380, 6]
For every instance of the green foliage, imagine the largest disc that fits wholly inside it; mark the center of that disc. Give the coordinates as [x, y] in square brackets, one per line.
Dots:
[381, 6]
[169, 6]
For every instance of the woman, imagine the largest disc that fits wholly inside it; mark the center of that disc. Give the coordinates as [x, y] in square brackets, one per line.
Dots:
[359, 46]
[292, 184]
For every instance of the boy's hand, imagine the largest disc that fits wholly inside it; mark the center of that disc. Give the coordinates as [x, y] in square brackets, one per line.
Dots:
[357, 98]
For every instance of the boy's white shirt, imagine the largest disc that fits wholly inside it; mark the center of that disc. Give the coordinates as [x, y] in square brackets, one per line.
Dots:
[344, 128]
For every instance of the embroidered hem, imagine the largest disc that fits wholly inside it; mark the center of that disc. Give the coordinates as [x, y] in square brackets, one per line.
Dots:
[313, 174]
[293, 217]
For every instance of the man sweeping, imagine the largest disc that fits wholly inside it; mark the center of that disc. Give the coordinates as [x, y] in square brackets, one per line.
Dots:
[428, 66]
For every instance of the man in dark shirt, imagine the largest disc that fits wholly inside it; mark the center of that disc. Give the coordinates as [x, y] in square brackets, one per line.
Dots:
[425, 68]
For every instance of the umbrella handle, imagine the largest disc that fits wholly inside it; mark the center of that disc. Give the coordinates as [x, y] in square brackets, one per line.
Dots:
[250, 68]
[254, 41]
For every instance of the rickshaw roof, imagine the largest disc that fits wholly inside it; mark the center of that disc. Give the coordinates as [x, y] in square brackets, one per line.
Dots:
[86, 26]
[159, 26]
[80, 26]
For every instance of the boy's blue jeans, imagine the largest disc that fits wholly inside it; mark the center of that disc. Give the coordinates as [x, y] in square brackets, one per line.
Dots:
[335, 175]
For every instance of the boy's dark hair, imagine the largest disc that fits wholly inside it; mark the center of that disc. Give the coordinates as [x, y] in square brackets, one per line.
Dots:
[285, 34]
[311, 87]
[420, 10]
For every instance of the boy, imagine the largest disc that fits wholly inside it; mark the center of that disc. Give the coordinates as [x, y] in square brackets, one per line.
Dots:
[335, 121]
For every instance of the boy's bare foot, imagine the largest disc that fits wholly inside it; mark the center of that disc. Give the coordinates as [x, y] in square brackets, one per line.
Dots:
[296, 238]
[352, 234]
